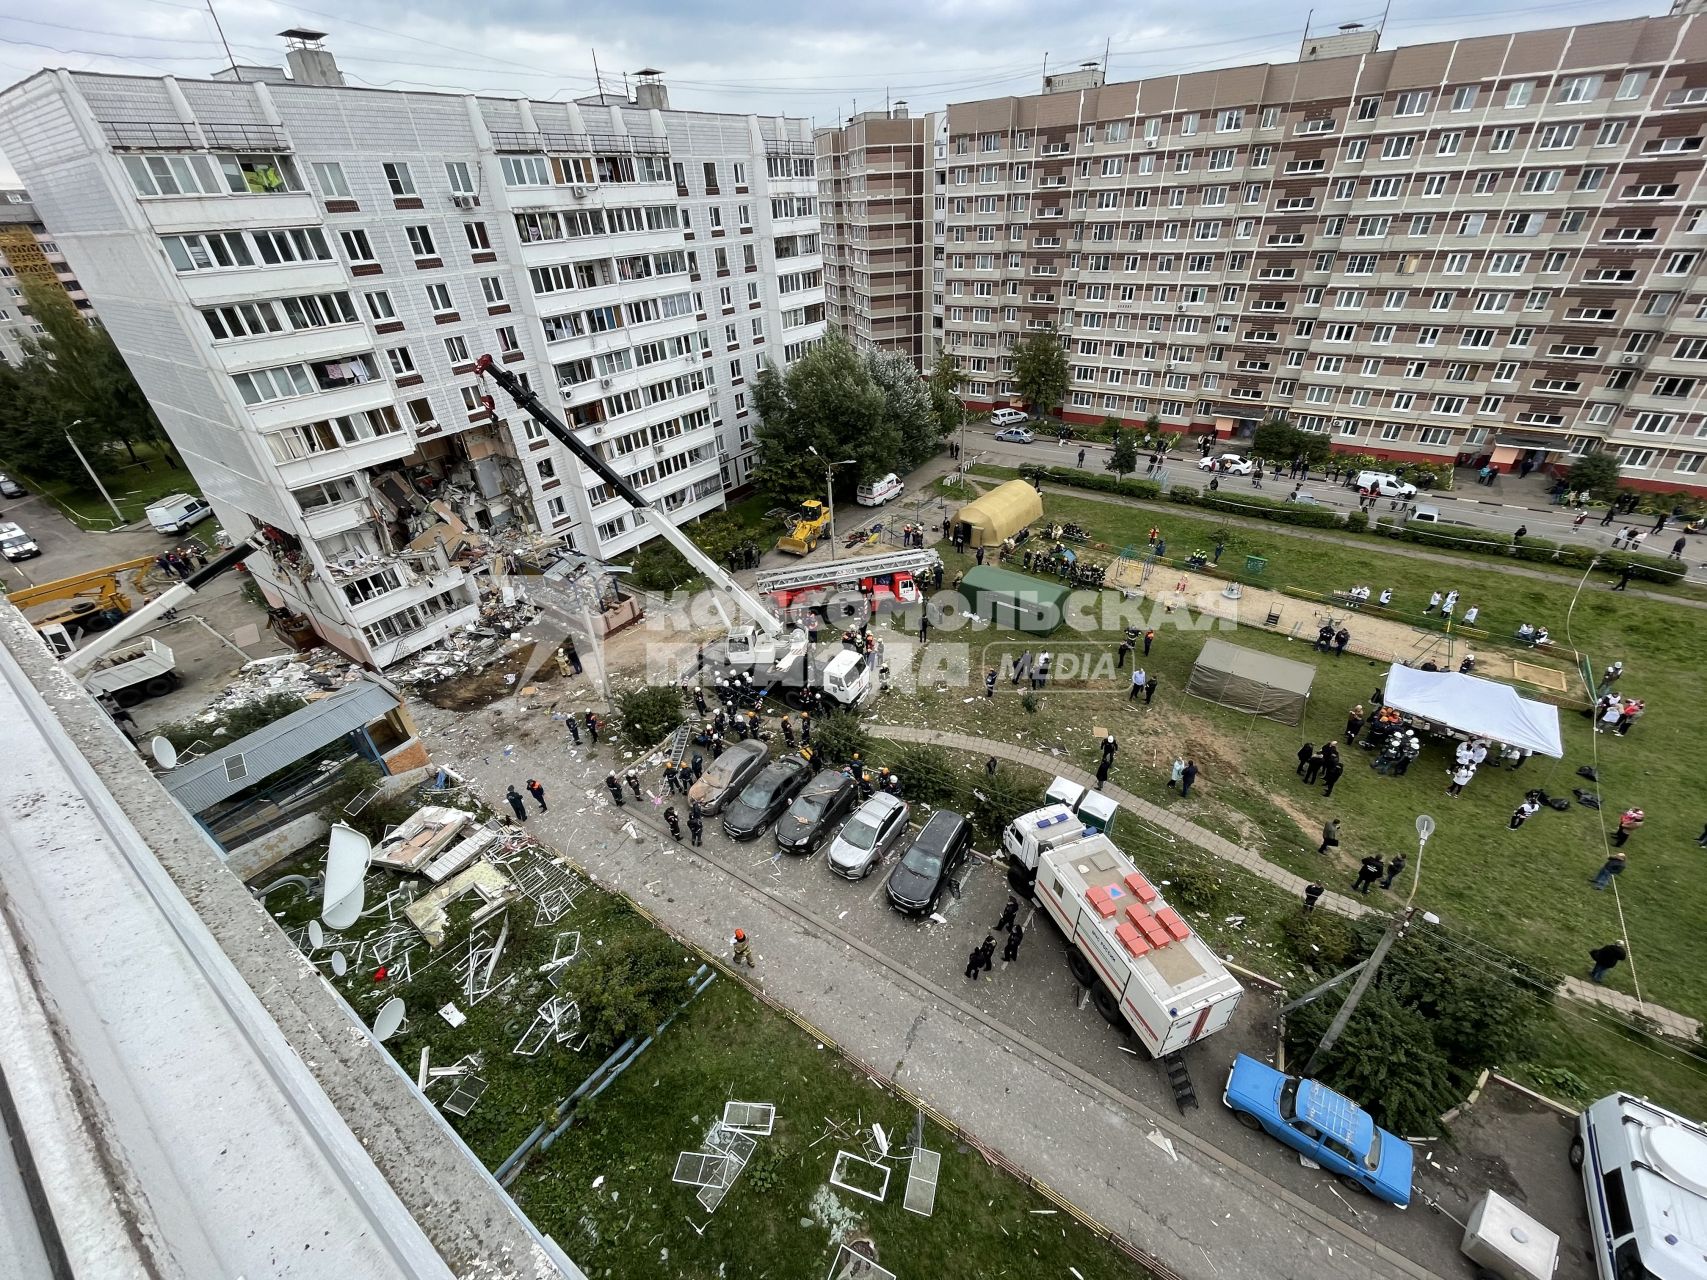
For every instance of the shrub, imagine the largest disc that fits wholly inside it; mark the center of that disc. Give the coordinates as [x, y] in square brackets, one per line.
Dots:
[1576, 557]
[1280, 511]
[1644, 568]
[1183, 494]
[838, 736]
[1198, 888]
[649, 713]
[1537, 549]
[1357, 521]
[1320, 941]
[1142, 489]
[628, 988]
[927, 773]
[1483, 541]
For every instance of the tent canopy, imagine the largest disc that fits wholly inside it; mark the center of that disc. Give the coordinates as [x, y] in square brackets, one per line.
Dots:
[1014, 600]
[1478, 707]
[1249, 680]
[1000, 513]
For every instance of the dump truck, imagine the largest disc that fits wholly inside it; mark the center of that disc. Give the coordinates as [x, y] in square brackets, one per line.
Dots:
[807, 527]
[1142, 963]
[132, 672]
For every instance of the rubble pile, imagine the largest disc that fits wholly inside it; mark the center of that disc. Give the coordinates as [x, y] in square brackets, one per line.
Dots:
[311, 676]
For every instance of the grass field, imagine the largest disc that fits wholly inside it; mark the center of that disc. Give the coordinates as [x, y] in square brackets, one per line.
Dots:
[132, 487]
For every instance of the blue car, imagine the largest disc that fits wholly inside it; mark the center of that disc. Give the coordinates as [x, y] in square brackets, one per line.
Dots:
[1331, 1129]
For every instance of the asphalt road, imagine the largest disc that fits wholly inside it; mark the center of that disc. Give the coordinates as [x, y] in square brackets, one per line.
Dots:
[67, 549]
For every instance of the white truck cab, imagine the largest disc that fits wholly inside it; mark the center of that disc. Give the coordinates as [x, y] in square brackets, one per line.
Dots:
[1644, 1171]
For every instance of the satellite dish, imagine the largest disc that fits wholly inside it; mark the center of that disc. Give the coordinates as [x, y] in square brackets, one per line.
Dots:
[389, 1019]
[164, 753]
[1425, 828]
[346, 863]
[339, 964]
[316, 935]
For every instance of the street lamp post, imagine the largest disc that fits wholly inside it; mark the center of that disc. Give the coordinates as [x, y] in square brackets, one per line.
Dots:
[118, 516]
[829, 489]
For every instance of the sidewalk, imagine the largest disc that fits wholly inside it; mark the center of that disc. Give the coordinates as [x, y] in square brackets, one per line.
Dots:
[1671, 1023]
[1194, 1207]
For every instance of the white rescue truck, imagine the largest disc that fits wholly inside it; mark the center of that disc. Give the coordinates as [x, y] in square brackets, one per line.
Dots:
[1141, 962]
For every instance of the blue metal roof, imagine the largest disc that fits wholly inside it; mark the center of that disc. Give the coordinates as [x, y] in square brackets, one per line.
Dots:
[203, 783]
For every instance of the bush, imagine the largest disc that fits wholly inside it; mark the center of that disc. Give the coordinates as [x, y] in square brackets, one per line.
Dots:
[649, 713]
[1576, 557]
[1357, 521]
[1475, 541]
[1321, 941]
[1539, 550]
[837, 736]
[628, 987]
[1279, 511]
[1142, 489]
[1198, 888]
[927, 773]
[1183, 494]
[1644, 568]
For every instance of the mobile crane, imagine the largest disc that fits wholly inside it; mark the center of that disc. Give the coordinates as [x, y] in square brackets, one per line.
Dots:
[766, 645]
[85, 602]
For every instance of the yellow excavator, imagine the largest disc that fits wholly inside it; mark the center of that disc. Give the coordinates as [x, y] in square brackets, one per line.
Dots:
[806, 528]
[84, 602]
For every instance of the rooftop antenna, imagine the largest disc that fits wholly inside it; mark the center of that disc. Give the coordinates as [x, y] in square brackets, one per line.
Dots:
[230, 58]
[1046, 68]
[1106, 41]
[598, 83]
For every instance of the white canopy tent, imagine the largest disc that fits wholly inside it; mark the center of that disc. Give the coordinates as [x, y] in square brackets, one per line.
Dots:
[1476, 707]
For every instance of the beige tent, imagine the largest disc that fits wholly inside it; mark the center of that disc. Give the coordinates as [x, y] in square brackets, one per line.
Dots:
[1247, 680]
[999, 514]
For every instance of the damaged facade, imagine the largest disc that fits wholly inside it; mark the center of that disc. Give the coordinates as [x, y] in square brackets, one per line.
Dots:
[301, 275]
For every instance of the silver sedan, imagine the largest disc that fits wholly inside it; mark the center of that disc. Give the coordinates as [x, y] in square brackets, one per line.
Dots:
[867, 837]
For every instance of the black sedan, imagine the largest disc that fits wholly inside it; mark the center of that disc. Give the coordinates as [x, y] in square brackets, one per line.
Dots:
[765, 797]
[814, 814]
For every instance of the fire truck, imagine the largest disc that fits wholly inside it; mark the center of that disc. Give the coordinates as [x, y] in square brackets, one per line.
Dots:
[841, 587]
[1141, 962]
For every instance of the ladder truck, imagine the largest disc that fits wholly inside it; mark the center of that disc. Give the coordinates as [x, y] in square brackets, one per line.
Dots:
[890, 578]
[767, 645]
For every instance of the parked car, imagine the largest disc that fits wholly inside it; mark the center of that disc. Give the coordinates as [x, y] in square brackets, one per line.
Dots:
[937, 852]
[1015, 435]
[867, 837]
[762, 800]
[1423, 513]
[1008, 417]
[879, 491]
[821, 804]
[1385, 483]
[1230, 463]
[728, 774]
[10, 488]
[15, 544]
[177, 512]
[1326, 1126]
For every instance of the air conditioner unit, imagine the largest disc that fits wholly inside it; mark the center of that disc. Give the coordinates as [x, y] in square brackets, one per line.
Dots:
[566, 388]
[606, 383]
[1149, 142]
[580, 193]
[1628, 359]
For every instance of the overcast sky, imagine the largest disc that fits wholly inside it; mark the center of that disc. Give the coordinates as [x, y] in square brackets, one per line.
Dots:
[767, 56]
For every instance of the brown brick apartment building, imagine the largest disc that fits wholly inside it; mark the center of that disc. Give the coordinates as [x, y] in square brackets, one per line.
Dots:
[1484, 247]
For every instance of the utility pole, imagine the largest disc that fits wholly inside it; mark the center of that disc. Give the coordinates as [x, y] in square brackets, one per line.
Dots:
[829, 490]
[118, 516]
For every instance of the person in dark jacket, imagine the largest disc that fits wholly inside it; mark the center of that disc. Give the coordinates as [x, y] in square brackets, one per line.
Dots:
[1395, 869]
[1368, 872]
[1353, 725]
[1330, 836]
[1010, 949]
[1187, 778]
[536, 789]
[1304, 753]
[615, 789]
[1605, 960]
[1312, 892]
[517, 803]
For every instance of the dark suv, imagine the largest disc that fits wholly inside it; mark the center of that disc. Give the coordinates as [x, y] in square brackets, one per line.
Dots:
[937, 852]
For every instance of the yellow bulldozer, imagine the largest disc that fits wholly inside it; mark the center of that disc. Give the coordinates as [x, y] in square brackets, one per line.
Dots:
[806, 528]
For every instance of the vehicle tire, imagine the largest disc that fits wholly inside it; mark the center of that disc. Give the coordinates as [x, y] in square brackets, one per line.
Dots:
[1108, 1004]
[1576, 1153]
[1352, 1184]
[1081, 969]
[157, 687]
[1248, 1120]
[128, 697]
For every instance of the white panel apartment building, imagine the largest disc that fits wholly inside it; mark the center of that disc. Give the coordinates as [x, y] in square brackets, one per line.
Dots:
[27, 249]
[302, 274]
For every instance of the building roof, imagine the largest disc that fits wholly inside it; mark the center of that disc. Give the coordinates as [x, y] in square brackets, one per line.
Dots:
[986, 578]
[203, 783]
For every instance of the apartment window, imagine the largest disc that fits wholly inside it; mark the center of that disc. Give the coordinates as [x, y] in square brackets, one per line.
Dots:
[438, 297]
[1416, 369]
[1611, 133]
[1368, 108]
[493, 288]
[1590, 179]
[379, 306]
[1386, 188]
[1355, 149]
[1434, 185]
[1631, 86]
[1457, 264]
[356, 246]
[456, 348]
[1464, 97]
[507, 339]
[1231, 121]
[1577, 89]
[1558, 137]
[1413, 103]
[460, 180]
[525, 171]
[477, 238]
[1486, 183]
[1519, 93]
[1502, 139]
[401, 359]
[399, 179]
[329, 177]
[1449, 143]
[420, 241]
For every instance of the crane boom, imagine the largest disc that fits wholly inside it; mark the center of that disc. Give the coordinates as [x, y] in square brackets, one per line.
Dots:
[530, 403]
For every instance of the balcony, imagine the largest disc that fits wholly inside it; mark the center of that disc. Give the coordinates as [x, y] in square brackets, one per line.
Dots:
[204, 135]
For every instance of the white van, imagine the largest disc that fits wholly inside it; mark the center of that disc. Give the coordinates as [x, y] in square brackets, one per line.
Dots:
[177, 512]
[1008, 417]
[878, 492]
[15, 544]
[1386, 484]
[1644, 1172]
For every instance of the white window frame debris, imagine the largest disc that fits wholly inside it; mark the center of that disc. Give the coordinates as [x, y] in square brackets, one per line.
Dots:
[468, 1091]
[850, 1264]
[844, 1163]
[755, 1118]
[923, 1172]
[702, 1169]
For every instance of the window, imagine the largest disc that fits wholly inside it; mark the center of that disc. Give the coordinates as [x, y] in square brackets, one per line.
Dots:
[477, 238]
[493, 288]
[461, 181]
[398, 178]
[1558, 137]
[1577, 89]
[1368, 108]
[329, 177]
[1502, 139]
[1519, 92]
[525, 171]
[421, 241]
[457, 349]
[507, 339]
[379, 306]
[438, 297]
[1231, 121]
[1386, 188]
[1464, 97]
[1448, 144]
[1413, 103]
[1631, 86]
[356, 246]
[401, 359]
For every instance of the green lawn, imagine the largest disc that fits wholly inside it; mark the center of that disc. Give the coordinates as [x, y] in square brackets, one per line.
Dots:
[1526, 891]
[132, 486]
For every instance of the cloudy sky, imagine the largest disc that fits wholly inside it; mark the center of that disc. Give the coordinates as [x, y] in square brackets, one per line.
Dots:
[769, 56]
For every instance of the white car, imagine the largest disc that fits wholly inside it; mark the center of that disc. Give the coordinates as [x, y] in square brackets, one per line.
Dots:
[1008, 417]
[1384, 483]
[1230, 463]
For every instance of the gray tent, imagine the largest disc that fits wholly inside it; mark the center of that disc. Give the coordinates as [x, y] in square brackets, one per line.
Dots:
[1247, 680]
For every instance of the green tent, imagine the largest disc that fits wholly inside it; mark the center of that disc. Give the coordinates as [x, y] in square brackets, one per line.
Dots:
[1016, 601]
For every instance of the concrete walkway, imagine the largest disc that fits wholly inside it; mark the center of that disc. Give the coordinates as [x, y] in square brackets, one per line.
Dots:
[1193, 1206]
[1670, 1022]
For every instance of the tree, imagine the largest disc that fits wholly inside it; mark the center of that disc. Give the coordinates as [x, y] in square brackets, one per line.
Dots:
[649, 714]
[908, 411]
[1040, 372]
[946, 406]
[1276, 439]
[1598, 473]
[628, 987]
[837, 736]
[1123, 456]
[1386, 1059]
[843, 405]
